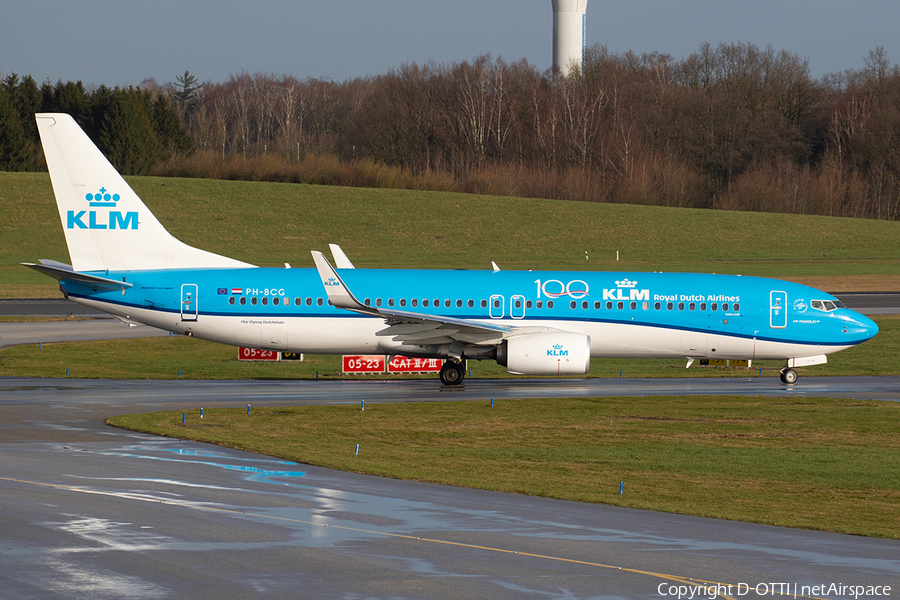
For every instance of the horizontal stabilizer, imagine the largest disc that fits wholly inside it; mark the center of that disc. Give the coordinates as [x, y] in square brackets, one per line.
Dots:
[64, 272]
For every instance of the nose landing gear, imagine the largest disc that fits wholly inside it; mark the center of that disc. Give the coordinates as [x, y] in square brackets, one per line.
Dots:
[788, 375]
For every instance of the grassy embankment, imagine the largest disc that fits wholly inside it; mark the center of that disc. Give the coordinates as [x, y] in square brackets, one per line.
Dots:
[270, 223]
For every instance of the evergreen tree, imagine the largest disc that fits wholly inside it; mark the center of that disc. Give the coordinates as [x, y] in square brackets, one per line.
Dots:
[15, 152]
[69, 97]
[186, 96]
[171, 134]
[28, 102]
[126, 134]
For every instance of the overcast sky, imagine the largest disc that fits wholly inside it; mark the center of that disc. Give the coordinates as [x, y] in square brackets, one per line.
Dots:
[123, 42]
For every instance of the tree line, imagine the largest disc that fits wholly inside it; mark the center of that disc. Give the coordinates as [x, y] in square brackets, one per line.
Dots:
[731, 126]
[135, 128]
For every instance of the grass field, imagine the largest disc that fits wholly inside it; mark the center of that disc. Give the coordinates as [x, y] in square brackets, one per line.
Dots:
[271, 223]
[814, 463]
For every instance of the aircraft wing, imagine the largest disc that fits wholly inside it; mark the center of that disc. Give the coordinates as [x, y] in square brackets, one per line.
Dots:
[410, 327]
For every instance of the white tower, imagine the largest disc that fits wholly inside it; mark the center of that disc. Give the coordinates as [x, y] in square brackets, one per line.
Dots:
[568, 33]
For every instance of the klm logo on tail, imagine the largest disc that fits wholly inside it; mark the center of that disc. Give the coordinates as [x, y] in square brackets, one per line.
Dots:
[115, 219]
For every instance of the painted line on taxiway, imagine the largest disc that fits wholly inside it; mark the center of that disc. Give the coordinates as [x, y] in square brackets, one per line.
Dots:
[198, 506]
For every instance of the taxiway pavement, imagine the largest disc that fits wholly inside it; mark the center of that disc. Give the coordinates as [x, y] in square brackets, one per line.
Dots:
[89, 511]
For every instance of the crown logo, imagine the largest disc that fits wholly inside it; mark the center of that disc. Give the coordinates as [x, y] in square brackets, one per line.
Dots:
[626, 283]
[102, 198]
[557, 346]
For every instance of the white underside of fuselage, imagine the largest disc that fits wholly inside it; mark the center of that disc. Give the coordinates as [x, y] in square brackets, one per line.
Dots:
[353, 334]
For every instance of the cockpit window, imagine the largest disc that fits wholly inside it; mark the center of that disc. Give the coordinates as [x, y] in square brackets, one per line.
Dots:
[827, 305]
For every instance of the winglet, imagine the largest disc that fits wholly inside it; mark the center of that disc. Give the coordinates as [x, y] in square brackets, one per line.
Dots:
[340, 259]
[335, 287]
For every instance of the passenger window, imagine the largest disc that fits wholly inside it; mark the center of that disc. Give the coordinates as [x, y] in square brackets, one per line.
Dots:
[243, 300]
[319, 301]
[681, 306]
[609, 305]
[646, 305]
[367, 302]
[573, 304]
[528, 304]
[402, 301]
[703, 306]
[584, 304]
[496, 303]
[446, 303]
[540, 304]
[669, 306]
[715, 306]
[459, 304]
[471, 304]
[298, 301]
[737, 307]
[484, 304]
[253, 300]
[425, 302]
[518, 303]
[725, 306]
[597, 305]
[633, 305]
[620, 305]
[275, 300]
[692, 306]
[231, 300]
[390, 301]
[549, 303]
[657, 306]
[415, 302]
[437, 303]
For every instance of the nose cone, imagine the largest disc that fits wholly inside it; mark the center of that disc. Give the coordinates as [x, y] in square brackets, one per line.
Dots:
[858, 327]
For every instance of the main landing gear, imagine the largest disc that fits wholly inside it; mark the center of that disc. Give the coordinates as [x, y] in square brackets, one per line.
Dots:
[452, 373]
[788, 375]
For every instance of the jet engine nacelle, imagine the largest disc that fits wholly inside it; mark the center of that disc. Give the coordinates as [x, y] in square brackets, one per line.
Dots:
[547, 353]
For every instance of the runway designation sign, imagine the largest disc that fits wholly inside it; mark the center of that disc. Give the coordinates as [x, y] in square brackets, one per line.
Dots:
[365, 363]
[375, 363]
[254, 354]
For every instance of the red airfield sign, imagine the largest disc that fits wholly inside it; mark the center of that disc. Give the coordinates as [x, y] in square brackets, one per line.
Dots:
[405, 364]
[254, 354]
[375, 363]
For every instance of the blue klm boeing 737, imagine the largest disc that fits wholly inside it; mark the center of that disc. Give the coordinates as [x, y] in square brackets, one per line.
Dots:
[534, 323]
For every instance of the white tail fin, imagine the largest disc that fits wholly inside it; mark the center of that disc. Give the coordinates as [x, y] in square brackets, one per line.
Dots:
[107, 226]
